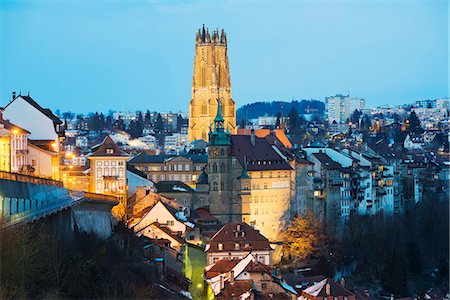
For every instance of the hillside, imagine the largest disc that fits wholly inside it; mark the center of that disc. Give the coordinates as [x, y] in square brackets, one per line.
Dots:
[256, 109]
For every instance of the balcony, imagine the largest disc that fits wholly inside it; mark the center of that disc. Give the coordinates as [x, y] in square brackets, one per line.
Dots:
[22, 152]
[335, 182]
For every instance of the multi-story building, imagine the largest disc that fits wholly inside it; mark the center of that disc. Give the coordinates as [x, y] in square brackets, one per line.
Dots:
[211, 81]
[45, 133]
[175, 142]
[13, 147]
[339, 108]
[108, 174]
[235, 240]
[247, 179]
[186, 168]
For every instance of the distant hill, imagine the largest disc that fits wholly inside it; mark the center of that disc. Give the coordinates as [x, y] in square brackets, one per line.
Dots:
[256, 109]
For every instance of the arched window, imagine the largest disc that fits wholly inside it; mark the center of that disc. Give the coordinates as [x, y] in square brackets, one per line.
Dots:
[222, 185]
[214, 168]
[222, 167]
[215, 187]
[222, 152]
[203, 74]
[204, 108]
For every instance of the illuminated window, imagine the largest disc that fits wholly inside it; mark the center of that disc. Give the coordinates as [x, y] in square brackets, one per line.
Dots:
[220, 247]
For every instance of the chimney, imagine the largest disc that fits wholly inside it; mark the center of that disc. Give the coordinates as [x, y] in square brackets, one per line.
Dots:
[232, 277]
[141, 192]
[328, 289]
[222, 284]
[238, 227]
[252, 136]
[343, 282]
[1, 113]
[13, 95]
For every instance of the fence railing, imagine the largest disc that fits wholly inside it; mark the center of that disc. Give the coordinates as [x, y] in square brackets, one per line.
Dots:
[29, 178]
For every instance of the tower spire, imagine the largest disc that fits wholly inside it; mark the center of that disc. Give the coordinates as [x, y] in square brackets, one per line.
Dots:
[244, 174]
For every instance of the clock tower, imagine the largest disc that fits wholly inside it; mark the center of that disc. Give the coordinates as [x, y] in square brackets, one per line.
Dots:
[219, 166]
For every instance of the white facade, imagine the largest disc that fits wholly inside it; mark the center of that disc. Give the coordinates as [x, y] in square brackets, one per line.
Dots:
[175, 142]
[339, 108]
[19, 151]
[159, 213]
[25, 115]
[81, 141]
[108, 175]
[149, 140]
[44, 162]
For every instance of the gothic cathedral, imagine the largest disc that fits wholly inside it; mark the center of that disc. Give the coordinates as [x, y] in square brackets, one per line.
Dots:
[211, 81]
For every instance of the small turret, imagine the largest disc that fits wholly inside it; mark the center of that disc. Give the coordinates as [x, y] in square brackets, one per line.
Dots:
[208, 37]
[223, 37]
[244, 174]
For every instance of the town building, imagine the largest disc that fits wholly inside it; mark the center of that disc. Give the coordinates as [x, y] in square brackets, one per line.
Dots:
[327, 289]
[211, 80]
[247, 179]
[235, 240]
[246, 278]
[175, 142]
[45, 135]
[43, 125]
[108, 174]
[186, 168]
[339, 108]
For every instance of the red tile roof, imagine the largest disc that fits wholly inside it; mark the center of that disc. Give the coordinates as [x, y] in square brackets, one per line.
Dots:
[236, 289]
[262, 133]
[249, 239]
[221, 267]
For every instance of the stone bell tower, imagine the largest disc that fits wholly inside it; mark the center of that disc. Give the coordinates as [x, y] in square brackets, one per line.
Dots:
[211, 81]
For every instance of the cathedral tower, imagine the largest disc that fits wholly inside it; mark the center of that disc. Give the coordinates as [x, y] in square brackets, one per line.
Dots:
[211, 81]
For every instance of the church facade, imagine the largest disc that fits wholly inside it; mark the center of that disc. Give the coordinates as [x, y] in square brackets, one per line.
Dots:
[211, 81]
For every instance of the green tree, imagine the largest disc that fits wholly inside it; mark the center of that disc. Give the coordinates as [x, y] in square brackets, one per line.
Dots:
[414, 123]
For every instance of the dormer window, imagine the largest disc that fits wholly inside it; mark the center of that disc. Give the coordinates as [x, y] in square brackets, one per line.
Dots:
[236, 246]
[109, 151]
[220, 247]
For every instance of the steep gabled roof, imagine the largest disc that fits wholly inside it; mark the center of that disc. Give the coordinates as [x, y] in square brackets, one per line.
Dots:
[108, 143]
[45, 111]
[230, 234]
[319, 289]
[260, 155]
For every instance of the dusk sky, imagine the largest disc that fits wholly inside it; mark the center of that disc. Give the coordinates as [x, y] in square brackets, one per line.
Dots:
[98, 55]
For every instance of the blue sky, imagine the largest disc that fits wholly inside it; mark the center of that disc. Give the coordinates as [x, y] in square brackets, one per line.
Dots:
[99, 55]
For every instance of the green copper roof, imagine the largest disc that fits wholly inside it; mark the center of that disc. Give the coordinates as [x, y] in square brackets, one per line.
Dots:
[219, 117]
[244, 174]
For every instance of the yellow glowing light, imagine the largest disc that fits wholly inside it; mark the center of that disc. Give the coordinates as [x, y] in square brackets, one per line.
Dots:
[54, 145]
[199, 285]
[16, 131]
[71, 167]
[64, 175]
